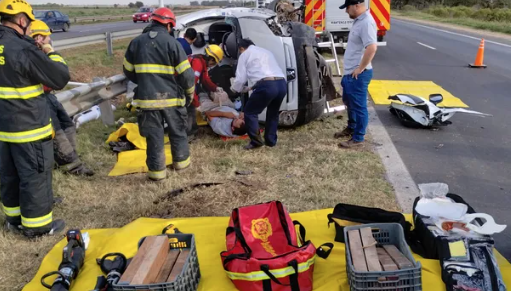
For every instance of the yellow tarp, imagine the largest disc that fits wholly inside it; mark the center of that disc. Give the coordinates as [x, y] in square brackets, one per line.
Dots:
[134, 161]
[329, 274]
[380, 90]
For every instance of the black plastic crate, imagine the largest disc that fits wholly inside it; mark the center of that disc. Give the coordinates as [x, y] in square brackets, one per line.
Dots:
[189, 278]
[402, 280]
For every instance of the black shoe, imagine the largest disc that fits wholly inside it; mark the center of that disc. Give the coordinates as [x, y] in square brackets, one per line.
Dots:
[192, 138]
[347, 132]
[251, 146]
[55, 227]
[82, 171]
[14, 228]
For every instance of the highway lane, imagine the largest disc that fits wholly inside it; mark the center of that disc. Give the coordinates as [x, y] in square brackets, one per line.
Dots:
[473, 155]
[90, 29]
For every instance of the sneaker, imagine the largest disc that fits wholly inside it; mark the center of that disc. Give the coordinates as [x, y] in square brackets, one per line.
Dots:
[351, 144]
[56, 226]
[347, 132]
[14, 228]
[82, 171]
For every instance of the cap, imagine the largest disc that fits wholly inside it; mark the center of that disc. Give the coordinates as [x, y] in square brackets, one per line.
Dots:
[350, 2]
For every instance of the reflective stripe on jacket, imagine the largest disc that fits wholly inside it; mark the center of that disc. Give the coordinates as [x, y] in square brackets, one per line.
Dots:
[157, 63]
[24, 69]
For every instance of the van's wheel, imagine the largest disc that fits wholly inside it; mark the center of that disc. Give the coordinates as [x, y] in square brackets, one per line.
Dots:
[66, 27]
[134, 21]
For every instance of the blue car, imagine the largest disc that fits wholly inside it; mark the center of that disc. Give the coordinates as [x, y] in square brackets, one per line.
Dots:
[54, 19]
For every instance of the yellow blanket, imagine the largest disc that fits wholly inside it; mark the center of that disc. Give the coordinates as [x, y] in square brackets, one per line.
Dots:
[380, 90]
[329, 274]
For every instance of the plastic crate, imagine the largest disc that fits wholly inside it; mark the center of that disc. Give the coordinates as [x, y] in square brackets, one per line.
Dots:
[189, 278]
[402, 280]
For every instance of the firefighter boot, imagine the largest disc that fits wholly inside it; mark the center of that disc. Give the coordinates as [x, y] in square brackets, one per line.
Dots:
[56, 226]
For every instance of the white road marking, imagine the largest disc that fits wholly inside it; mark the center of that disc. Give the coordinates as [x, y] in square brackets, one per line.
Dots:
[455, 33]
[425, 45]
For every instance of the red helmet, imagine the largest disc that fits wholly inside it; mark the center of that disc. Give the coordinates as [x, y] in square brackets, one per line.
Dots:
[164, 16]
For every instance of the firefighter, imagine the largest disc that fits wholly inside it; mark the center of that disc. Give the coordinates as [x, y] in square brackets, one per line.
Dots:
[157, 63]
[26, 146]
[200, 64]
[64, 143]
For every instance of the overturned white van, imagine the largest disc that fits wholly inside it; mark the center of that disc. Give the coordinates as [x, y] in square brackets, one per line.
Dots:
[293, 44]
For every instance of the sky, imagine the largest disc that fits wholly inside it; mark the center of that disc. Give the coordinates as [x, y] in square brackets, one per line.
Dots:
[107, 2]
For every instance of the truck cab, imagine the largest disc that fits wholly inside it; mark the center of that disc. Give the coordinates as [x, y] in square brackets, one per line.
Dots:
[292, 44]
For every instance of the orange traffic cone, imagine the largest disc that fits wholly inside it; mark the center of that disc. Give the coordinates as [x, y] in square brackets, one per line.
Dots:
[479, 57]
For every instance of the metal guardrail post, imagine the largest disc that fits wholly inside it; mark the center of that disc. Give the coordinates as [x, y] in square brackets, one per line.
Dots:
[109, 43]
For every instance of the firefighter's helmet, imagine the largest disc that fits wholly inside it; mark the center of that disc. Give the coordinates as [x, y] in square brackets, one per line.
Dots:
[215, 52]
[15, 7]
[40, 28]
[164, 15]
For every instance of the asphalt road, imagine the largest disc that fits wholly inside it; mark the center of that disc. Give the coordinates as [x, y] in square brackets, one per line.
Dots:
[473, 155]
[90, 29]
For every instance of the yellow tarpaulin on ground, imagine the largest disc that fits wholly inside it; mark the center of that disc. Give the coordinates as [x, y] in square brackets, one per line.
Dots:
[134, 161]
[329, 275]
[380, 90]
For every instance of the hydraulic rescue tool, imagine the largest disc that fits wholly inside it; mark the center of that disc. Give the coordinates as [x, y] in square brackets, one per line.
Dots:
[73, 257]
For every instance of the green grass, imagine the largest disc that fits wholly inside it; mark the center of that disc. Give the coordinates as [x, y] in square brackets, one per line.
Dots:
[503, 27]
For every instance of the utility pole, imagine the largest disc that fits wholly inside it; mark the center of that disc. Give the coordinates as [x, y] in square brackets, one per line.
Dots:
[161, 3]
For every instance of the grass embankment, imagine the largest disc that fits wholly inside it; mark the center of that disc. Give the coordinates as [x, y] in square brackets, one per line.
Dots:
[497, 20]
[305, 171]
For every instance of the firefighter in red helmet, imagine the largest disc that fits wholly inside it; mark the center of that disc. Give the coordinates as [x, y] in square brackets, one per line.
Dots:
[158, 64]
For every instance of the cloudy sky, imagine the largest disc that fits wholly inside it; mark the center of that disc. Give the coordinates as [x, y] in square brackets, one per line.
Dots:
[106, 2]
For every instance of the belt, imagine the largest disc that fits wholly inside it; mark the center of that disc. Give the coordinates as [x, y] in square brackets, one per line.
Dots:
[271, 79]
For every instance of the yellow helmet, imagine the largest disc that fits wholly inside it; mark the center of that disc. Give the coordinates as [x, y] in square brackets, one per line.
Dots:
[14, 7]
[215, 52]
[40, 28]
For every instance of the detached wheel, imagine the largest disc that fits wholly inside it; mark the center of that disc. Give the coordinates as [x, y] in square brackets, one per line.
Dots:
[66, 27]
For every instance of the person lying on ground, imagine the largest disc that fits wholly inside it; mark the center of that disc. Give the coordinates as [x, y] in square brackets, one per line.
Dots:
[224, 120]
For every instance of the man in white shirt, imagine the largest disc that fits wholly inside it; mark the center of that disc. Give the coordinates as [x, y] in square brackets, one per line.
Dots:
[265, 78]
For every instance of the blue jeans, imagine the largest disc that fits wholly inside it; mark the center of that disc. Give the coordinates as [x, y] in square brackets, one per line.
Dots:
[355, 99]
[269, 95]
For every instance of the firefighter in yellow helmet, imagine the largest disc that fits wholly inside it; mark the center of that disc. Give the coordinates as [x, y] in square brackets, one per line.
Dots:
[213, 55]
[64, 142]
[26, 146]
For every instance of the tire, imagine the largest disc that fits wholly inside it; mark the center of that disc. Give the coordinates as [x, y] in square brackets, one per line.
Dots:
[380, 38]
[134, 21]
[66, 27]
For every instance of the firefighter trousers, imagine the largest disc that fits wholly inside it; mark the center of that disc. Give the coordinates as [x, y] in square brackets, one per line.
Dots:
[150, 123]
[25, 183]
[192, 127]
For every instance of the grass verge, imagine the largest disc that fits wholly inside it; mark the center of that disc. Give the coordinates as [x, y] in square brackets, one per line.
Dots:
[494, 26]
[305, 171]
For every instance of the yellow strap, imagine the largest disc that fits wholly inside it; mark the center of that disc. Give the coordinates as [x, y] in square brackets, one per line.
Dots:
[12, 211]
[21, 93]
[26, 136]
[157, 174]
[162, 103]
[57, 58]
[183, 66]
[154, 69]
[127, 65]
[190, 90]
[38, 221]
[182, 164]
[278, 273]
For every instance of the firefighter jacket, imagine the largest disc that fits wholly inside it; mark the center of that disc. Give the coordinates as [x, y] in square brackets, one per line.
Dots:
[156, 61]
[24, 69]
[200, 69]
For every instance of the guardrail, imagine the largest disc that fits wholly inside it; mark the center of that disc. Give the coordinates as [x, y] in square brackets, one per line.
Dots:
[107, 37]
[83, 97]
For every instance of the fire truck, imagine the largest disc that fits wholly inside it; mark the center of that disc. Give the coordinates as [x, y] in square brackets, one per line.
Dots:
[326, 18]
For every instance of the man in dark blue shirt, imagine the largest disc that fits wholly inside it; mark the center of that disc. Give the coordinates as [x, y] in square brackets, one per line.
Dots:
[189, 38]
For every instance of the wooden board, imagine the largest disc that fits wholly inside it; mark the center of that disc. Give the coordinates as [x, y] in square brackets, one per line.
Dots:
[357, 252]
[137, 260]
[401, 261]
[178, 267]
[153, 261]
[385, 260]
[369, 244]
[167, 266]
